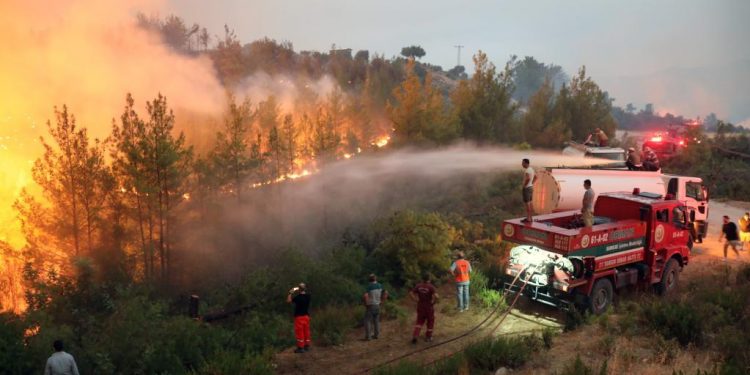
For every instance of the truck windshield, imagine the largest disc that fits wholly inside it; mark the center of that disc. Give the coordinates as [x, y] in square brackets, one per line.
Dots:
[694, 190]
[607, 155]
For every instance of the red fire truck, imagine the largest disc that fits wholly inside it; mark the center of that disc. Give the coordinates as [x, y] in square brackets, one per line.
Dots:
[637, 239]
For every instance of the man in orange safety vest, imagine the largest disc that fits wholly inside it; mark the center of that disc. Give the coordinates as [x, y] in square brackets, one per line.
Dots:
[461, 269]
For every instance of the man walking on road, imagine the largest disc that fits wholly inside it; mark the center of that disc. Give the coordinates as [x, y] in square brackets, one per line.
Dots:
[529, 176]
[374, 296]
[745, 229]
[587, 208]
[729, 231]
[461, 269]
[301, 316]
[426, 296]
[60, 363]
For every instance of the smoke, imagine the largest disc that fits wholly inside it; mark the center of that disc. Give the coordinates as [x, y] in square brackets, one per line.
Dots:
[287, 90]
[312, 213]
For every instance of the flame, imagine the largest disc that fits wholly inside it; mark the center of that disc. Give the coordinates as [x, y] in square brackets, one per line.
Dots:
[381, 141]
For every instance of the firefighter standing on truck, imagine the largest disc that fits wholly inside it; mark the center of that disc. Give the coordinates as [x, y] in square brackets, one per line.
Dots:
[587, 207]
[461, 269]
[601, 138]
[301, 316]
[426, 296]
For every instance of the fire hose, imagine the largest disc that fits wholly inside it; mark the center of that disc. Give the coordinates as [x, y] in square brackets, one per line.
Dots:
[467, 333]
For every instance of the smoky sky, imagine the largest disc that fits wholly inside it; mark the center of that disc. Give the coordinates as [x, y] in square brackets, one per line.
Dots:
[675, 54]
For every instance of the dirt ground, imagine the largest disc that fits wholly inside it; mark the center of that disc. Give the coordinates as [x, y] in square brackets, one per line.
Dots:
[624, 355]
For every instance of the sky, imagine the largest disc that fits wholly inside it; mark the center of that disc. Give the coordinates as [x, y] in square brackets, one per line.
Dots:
[686, 56]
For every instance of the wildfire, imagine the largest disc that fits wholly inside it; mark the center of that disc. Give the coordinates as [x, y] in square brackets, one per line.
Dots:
[382, 141]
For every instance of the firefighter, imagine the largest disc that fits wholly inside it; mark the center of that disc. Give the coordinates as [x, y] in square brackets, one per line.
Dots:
[461, 270]
[729, 232]
[601, 138]
[650, 160]
[587, 209]
[634, 160]
[744, 224]
[426, 297]
[301, 303]
[527, 191]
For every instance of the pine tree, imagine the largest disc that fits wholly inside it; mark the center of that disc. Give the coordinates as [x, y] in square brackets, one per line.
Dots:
[73, 179]
[230, 157]
[419, 113]
[484, 103]
[540, 125]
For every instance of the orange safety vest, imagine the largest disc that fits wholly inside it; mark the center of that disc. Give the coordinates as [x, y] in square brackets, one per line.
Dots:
[462, 271]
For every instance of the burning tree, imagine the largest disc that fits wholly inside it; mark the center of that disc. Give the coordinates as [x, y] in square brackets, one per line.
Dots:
[73, 180]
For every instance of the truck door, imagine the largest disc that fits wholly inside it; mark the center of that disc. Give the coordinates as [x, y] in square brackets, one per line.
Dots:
[662, 225]
[672, 187]
[696, 200]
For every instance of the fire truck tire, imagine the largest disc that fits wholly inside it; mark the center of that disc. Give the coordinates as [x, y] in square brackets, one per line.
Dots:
[669, 278]
[601, 296]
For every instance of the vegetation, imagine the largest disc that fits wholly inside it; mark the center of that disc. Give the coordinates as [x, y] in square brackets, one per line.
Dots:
[107, 225]
[483, 356]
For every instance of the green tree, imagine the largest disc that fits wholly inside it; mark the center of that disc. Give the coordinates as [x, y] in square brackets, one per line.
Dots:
[483, 104]
[152, 165]
[529, 75]
[231, 157]
[414, 243]
[413, 52]
[584, 107]
[419, 113]
[540, 125]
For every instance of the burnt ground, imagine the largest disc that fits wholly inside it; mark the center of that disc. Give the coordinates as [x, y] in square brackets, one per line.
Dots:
[593, 342]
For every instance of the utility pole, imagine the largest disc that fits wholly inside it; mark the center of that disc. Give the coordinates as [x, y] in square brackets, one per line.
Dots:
[458, 59]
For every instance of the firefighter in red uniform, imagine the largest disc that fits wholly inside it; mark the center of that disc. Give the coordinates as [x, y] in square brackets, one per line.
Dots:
[461, 269]
[426, 296]
[301, 316]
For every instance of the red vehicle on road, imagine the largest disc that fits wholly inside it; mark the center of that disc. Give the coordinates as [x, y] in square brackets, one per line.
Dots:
[637, 239]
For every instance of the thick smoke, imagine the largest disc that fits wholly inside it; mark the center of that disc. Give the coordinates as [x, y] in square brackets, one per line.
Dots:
[312, 213]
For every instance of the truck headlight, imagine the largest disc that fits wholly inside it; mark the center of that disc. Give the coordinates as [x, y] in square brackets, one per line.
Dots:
[510, 271]
[560, 285]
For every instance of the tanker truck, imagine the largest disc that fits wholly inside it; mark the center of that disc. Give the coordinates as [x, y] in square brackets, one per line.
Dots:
[561, 189]
[638, 239]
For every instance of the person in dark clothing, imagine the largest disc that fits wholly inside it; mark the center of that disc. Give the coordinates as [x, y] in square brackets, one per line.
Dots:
[301, 303]
[729, 231]
[426, 296]
[634, 160]
[650, 160]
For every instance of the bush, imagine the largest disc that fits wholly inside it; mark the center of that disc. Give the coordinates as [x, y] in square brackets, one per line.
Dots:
[455, 364]
[676, 320]
[331, 323]
[491, 353]
[490, 298]
[414, 243]
[401, 368]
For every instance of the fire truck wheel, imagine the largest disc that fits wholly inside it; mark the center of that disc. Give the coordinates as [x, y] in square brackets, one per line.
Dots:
[601, 296]
[669, 278]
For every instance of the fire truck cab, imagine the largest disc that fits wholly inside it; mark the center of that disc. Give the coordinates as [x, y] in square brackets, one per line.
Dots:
[638, 239]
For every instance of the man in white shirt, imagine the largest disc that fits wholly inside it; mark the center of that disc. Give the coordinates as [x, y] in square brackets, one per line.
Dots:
[529, 176]
[587, 207]
[60, 363]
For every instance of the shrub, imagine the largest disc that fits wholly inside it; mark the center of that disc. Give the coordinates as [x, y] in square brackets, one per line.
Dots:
[331, 324]
[547, 335]
[401, 368]
[577, 367]
[491, 353]
[414, 243]
[676, 320]
[491, 298]
[452, 365]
